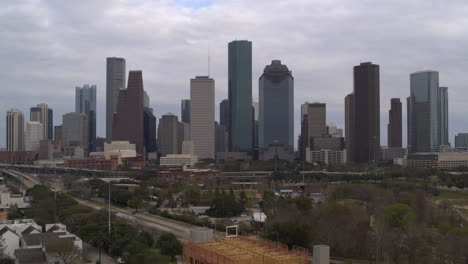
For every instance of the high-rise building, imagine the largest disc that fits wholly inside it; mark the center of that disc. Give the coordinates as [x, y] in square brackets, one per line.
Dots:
[317, 120]
[115, 81]
[276, 108]
[221, 138]
[33, 135]
[334, 131]
[443, 116]
[461, 140]
[423, 115]
[15, 130]
[149, 121]
[128, 122]
[202, 116]
[224, 113]
[367, 112]
[58, 132]
[146, 101]
[85, 102]
[185, 110]
[394, 128]
[44, 115]
[303, 137]
[74, 132]
[168, 130]
[240, 95]
[349, 127]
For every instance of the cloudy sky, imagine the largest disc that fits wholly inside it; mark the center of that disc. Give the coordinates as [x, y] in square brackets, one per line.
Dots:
[48, 47]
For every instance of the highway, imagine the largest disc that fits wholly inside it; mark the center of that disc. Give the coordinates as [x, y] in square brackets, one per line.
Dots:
[159, 224]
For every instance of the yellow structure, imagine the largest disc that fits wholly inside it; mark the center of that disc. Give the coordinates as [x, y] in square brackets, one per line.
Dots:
[242, 250]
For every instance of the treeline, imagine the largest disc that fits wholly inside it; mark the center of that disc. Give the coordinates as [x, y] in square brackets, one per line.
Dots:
[131, 243]
[391, 222]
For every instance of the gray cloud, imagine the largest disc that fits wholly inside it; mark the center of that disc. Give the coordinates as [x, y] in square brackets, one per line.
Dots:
[49, 47]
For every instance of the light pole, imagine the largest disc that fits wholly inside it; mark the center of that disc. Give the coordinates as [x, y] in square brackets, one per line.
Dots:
[276, 153]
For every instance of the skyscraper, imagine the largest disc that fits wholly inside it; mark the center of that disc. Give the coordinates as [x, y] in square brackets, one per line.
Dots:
[317, 120]
[349, 127]
[443, 115]
[168, 138]
[424, 133]
[115, 81]
[15, 130]
[74, 133]
[128, 122]
[220, 138]
[202, 116]
[224, 113]
[367, 112]
[276, 108]
[33, 135]
[395, 124]
[149, 121]
[85, 102]
[240, 95]
[461, 140]
[44, 115]
[185, 110]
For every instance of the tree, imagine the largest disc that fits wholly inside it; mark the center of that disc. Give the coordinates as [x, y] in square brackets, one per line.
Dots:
[398, 216]
[169, 245]
[136, 202]
[65, 251]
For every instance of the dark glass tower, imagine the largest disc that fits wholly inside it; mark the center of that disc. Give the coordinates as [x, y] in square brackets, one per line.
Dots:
[395, 124]
[128, 122]
[85, 102]
[149, 121]
[240, 95]
[367, 113]
[185, 110]
[115, 81]
[224, 113]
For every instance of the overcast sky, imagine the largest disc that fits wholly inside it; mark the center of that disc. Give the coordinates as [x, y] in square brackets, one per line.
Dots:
[49, 47]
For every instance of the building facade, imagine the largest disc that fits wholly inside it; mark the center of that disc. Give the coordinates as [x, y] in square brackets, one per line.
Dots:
[15, 130]
[74, 133]
[85, 102]
[276, 107]
[349, 127]
[240, 95]
[395, 124]
[185, 111]
[128, 122]
[443, 116]
[423, 114]
[366, 113]
[168, 130]
[224, 113]
[33, 135]
[202, 116]
[44, 115]
[221, 142]
[461, 140]
[149, 124]
[115, 81]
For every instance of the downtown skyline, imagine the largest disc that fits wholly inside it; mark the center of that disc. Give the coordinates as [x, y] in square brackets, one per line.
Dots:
[319, 76]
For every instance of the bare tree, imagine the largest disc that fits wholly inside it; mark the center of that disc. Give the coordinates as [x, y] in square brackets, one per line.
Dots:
[65, 251]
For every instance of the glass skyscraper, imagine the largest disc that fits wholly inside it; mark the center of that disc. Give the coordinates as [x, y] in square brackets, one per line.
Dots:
[423, 115]
[443, 115]
[240, 95]
[85, 102]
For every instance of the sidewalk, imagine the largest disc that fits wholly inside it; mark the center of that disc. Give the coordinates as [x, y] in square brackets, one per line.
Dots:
[92, 254]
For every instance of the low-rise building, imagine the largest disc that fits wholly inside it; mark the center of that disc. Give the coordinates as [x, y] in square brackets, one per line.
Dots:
[277, 151]
[392, 153]
[232, 156]
[326, 156]
[11, 232]
[178, 160]
[93, 163]
[447, 160]
[18, 157]
[125, 148]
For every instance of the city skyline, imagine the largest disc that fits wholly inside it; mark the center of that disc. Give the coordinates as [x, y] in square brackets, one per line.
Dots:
[313, 79]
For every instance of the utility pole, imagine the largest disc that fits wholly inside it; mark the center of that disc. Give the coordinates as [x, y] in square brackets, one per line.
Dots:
[109, 207]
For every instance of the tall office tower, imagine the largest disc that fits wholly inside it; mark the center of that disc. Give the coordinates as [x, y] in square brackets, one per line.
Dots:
[256, 109]
[408, 123]
[395, 124]
[424, 132]
[349, 127]
[115, 81]
[461, 140]
[224, 113]
[74, 133]
[33, 136]
[367, 112]
[43, 114]
[303, 137]
[202, 116]
[128, 122]
[317, 120]
[240, 95]
[168, 130]
[185, 111]
[15, 130]
[149, 123]
[146, 100]
[85, 102]
[276, 121]
[221, 140]
[58, 132]
[443, 116]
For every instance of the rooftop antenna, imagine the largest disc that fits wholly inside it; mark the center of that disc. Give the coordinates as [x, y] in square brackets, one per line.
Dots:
[209, 62]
